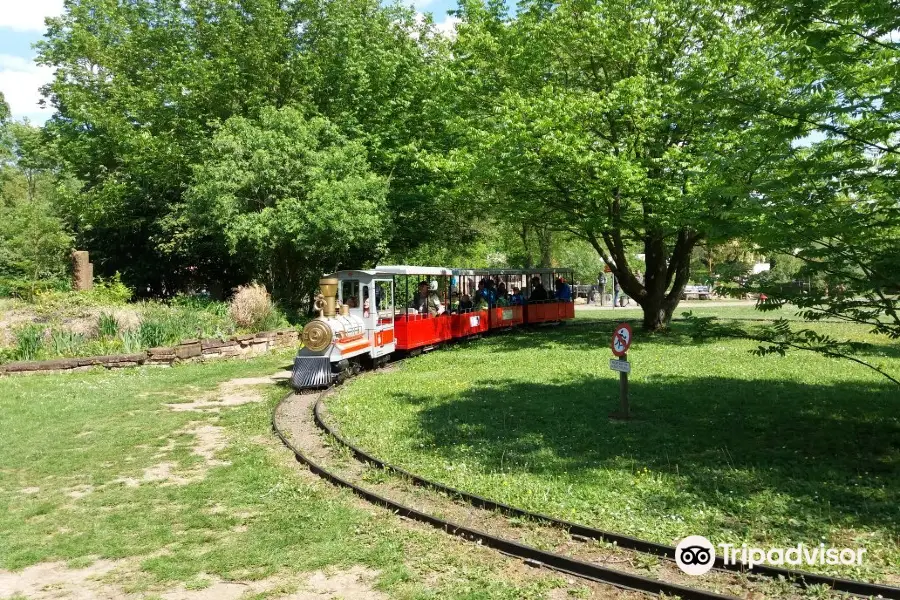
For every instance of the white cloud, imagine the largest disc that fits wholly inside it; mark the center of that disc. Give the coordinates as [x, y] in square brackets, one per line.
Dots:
[28, 15]
[448, 26]
[20, 80]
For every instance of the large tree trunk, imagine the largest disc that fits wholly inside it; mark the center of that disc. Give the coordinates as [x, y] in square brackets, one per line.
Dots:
[664, 279]
[545, 241]
[526, 244]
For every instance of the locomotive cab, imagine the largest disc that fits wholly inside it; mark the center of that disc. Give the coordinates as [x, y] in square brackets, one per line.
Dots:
[355, 328]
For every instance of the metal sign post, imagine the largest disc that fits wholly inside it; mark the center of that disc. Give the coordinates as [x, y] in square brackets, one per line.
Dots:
[621, 342]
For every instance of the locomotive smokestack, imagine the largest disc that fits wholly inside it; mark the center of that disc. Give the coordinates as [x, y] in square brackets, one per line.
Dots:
[328, 287]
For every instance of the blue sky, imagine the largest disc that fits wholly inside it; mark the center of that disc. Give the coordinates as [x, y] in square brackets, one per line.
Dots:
[22, 24]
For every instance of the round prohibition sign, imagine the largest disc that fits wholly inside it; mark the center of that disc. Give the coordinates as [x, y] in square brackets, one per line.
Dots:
[621, 339]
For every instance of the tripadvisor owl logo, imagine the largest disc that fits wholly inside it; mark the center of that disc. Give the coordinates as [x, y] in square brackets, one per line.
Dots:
[695, 555]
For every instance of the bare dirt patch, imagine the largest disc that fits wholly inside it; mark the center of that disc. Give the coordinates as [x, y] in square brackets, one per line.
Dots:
[235, 392]
[80, 491]
[47, 581]
[54, 580]
[208, 441]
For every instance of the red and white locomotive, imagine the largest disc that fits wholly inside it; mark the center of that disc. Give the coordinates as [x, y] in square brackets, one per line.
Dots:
[367, 316]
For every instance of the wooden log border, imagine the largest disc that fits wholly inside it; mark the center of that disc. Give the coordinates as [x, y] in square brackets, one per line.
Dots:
[251, 344]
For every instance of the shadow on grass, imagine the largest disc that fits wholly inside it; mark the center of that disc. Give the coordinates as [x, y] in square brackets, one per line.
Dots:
[829, 454]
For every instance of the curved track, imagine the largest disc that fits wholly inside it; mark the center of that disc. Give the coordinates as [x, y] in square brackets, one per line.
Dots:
[535, 556]
[801, 578]
[532, 556]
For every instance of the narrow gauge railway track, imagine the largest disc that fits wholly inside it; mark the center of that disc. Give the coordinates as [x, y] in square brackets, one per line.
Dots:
[531, 555]
[536, 556]
[801, 578]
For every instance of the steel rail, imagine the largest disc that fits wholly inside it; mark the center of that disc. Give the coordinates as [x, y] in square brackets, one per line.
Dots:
[531, 555]
[803, 579]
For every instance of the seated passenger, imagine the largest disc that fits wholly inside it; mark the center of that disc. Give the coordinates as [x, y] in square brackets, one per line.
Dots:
[484, 293]
[465, 303]
[563, 290]
[490, 292]
[516, 299]
[420, 299]
[538, 291]
[433, 304]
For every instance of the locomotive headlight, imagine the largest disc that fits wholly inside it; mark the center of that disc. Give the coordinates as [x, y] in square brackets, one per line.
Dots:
[317, 335]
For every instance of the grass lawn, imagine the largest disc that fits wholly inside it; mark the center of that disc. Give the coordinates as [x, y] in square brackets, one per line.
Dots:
[95, 466]
[768, 451]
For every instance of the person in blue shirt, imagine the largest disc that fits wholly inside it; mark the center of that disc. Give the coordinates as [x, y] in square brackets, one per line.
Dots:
[485, 292]
[516, 299]
[563, 290]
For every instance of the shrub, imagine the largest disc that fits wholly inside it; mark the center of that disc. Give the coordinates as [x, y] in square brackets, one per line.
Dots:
[200, 303]
[131, 341]
[65, 343]
[110, 291]
[251, 307]
[175, 324]
[107, 326]
[152, 333]
[274, 320]
[106, 292]
[29, 342]
[18, 287]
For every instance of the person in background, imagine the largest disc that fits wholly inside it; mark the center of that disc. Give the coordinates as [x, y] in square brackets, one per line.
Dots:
[602, 281]
[616, 290]
[501, 290]
[433, 304]
[516, 299]
[563, 290]
[492, 292]
[538, 291]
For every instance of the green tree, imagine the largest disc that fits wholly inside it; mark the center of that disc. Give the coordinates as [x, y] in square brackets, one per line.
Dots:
[141, 87]
[290, 197]
[5, 142]
[833, 204]
[33, 241]
[599, 119]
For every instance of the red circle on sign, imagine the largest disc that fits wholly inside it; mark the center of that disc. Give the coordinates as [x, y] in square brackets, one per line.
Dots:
[624, 343]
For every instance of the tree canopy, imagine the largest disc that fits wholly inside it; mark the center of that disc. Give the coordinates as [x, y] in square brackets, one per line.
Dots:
[289, 198]
[834, 204]
[141, 88]
[668, 129]
[603, 120]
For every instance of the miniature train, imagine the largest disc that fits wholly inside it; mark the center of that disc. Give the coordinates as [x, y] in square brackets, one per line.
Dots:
[368, 316]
